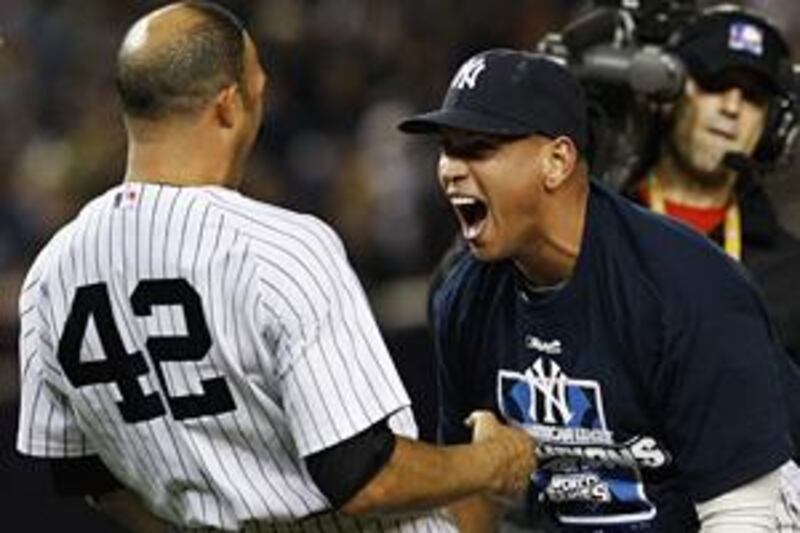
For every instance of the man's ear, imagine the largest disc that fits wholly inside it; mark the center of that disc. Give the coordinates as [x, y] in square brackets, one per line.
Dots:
[225, 106]
[561, 157]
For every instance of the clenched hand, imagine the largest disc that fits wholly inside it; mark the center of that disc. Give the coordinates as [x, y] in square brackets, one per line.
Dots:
[511, 451]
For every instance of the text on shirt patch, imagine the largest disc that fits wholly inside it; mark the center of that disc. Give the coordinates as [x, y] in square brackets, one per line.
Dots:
[592, 477]
[552, 347]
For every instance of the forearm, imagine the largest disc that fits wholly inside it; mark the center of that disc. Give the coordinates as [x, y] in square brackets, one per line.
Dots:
[127, 510]
[420, 475]
[477, 514]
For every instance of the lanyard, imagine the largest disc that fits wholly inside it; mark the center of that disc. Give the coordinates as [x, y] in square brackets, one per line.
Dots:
[733, 219]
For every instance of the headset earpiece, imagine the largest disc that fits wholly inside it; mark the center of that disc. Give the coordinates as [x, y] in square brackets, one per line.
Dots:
[778, 142]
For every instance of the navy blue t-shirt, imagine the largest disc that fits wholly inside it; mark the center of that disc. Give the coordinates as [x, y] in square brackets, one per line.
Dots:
[649, 380]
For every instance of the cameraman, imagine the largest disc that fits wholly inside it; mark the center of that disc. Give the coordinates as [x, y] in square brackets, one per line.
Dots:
[705, 163]
[704, 167]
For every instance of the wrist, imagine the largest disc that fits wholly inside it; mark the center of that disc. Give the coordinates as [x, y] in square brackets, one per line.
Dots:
[489, 461]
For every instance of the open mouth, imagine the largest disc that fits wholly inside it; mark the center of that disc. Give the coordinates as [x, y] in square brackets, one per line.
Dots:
[472, 213]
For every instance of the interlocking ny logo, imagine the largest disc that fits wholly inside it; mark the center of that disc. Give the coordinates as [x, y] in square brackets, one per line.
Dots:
[552, 393]
[544, 394]
[467, 75]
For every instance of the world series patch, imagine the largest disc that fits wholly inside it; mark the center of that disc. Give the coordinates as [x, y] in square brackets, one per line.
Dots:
[589, 477]
[745, 37]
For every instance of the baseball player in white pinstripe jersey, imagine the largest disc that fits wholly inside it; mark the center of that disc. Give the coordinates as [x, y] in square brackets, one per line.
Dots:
[194, 358]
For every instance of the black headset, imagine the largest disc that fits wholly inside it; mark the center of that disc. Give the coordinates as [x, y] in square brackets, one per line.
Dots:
[776, 147]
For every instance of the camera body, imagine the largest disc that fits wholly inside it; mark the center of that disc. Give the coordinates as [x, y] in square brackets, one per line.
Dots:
[620, 50]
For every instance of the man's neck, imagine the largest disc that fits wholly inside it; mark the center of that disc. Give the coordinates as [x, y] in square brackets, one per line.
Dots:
[680, 186]
[551, 258]
[180, 158]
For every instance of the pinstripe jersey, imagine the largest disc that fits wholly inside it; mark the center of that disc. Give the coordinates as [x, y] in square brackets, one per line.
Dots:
[201, 343]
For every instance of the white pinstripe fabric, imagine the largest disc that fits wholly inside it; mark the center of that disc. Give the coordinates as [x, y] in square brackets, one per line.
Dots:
[292, 336]
[788, 510]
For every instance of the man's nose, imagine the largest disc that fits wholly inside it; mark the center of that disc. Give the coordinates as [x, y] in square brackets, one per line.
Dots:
[732, 99]
[451, 170]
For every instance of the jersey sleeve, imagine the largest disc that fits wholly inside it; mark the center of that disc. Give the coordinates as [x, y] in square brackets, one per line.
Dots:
[336, 373]
[48, 426]
[724, 416]
[453, 410]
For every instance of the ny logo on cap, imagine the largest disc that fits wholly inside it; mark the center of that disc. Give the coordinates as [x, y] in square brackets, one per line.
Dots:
[467, 75]
[746, 38]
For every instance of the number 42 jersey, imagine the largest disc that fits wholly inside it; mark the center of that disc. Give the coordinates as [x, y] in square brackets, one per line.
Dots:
[648, 380]
[201, 344]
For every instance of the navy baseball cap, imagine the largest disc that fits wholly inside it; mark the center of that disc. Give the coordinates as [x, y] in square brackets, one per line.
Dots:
[729, 39]
[510, 93]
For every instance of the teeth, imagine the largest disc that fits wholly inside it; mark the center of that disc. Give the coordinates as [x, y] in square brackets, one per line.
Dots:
[463, 200]
[470, 227]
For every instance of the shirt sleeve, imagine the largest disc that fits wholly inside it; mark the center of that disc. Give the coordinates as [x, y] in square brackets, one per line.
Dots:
[449, 372]
[724, 418]
[48, 426]
[337, 375]
[749, 508]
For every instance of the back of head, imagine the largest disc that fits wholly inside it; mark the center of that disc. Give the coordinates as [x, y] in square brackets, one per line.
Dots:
[175, 60]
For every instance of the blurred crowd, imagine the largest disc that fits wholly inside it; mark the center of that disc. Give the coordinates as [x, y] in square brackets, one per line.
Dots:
[343, 73]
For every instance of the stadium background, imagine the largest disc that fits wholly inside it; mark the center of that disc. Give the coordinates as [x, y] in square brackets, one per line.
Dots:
[344, 72]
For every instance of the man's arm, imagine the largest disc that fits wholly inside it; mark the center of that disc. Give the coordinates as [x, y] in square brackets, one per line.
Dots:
[416, 475]
[749, 508]
[478, 514]
[90, 478]
[481, 513]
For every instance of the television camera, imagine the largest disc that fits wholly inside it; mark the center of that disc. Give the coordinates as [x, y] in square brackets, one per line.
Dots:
[619, 49]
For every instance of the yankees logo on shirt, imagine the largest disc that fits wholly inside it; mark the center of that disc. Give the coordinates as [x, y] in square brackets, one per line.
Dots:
[201, 343]
[581, 466]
